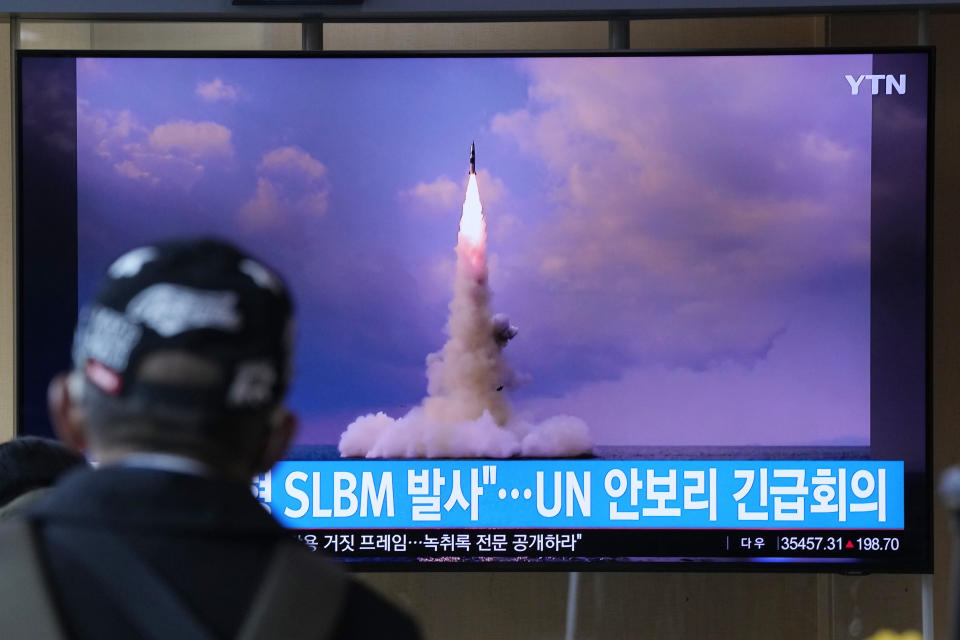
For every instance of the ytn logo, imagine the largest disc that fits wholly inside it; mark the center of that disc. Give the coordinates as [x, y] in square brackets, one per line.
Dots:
[892, 83]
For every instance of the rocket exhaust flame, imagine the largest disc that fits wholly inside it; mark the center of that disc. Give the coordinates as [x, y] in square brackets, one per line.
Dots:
[465, 413]
[472, 239]
[473, 227]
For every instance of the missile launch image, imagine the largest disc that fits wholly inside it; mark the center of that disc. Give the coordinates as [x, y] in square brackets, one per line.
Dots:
[518, 257]
[465, 412]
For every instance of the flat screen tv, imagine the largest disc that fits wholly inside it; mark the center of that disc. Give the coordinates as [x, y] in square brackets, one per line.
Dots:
[555, 310]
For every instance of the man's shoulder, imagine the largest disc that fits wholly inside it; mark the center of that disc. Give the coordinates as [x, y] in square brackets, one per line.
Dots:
[125, 501]
[367, 614]
[362, 612]
[27, 608]
[131, 498]
[302, 589]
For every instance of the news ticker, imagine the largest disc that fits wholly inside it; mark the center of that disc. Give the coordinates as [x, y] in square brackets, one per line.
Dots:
[633, 495]
[607, 545]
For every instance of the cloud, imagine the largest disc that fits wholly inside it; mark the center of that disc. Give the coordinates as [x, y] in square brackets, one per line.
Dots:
[114, 133]
[492, 189]
[196, 139]
[826, 150]
[293, 159]
[92, 68]
[290, 181]
[216, 90]
[791, 397]
[106, 129]
[683, 227]
[444, 195]
[154, 155]
[129, 169]
[504, 225]
[264, 205]
[124, 124]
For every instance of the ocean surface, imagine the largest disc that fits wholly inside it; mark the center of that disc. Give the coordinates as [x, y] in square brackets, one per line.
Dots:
[329, 452]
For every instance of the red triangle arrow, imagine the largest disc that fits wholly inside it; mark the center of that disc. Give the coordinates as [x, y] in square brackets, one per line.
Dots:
[849, 544]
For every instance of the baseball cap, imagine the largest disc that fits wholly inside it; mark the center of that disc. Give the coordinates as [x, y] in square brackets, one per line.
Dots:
[203, 299]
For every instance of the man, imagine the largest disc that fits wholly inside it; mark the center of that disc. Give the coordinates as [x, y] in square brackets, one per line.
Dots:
[180, 367]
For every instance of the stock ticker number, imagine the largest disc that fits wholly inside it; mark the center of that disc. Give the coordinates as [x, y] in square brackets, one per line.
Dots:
[835, 543]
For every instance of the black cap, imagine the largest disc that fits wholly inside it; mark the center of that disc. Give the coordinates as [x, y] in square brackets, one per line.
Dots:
[204, 298]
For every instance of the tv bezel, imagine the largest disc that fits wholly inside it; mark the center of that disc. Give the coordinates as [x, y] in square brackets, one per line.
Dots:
[921, 564]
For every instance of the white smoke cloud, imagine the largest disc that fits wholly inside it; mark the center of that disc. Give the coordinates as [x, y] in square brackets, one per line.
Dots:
[415, 435]
[464, 376]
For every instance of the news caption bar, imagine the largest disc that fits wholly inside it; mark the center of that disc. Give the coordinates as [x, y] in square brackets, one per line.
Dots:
[607, 494]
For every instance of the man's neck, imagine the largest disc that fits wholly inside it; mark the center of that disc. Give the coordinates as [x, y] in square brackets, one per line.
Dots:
[165, 462]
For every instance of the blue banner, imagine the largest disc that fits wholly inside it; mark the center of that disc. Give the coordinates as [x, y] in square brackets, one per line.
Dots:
[585, 494]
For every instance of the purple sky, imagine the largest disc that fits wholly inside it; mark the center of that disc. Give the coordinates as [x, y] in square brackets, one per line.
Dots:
[684, 242]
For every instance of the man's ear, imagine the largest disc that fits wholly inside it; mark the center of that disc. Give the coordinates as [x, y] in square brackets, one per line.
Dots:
[277, 440]
[65, 413]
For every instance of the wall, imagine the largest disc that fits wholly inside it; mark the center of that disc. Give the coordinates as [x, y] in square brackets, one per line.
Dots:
[946, 289]
[7, 370]
[615, 605]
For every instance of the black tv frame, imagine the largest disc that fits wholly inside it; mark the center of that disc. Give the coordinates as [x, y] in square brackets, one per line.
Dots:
[922, 564]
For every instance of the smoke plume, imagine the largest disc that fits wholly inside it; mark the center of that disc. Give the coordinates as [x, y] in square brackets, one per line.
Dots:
[466, 412]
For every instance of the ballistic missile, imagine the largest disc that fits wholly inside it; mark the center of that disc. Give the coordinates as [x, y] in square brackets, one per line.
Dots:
[473, 159]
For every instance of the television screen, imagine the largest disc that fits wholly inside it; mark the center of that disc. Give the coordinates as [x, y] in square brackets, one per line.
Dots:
[554, 310]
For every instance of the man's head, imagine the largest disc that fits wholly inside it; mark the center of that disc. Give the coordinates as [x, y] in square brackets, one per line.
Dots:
[184, 350]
